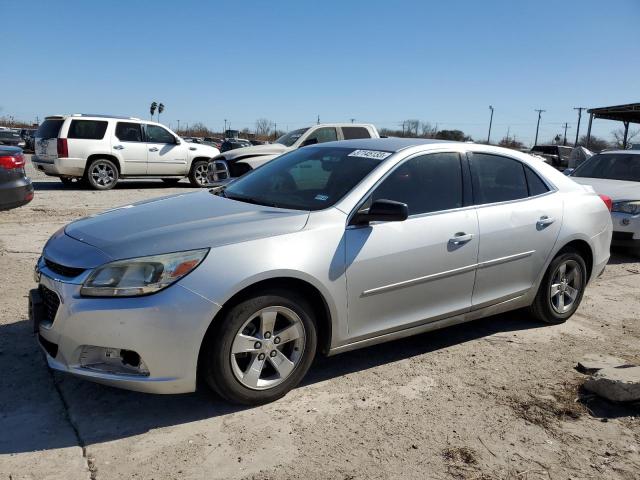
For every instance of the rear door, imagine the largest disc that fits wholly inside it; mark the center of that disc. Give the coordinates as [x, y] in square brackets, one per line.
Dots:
[128, 143]
[164, 155]
[519, 217]
[46, 139]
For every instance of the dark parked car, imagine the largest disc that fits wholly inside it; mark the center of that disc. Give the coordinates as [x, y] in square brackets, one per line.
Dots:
[555, 155]
[11, 138]
[233, 143]
[15, 187]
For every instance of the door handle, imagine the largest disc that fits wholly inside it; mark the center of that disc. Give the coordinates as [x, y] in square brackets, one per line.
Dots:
[118, 147]
[461, 238]
[545, 221]
[153, 149]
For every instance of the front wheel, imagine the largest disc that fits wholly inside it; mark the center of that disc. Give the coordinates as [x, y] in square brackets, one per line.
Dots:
[261, 348]
[198, 173]
[562, 288]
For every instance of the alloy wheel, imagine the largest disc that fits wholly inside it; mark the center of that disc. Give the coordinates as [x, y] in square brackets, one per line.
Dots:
[566, 285]
[268, 347]
[200, 174]
[102, 174]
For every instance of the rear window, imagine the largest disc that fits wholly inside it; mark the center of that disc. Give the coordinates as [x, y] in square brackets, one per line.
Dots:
[87, 129]
[49, 128]
[350, 133]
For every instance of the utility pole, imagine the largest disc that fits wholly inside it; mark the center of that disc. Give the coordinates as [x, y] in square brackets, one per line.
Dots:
[566, 125]
[538, 126]
[178, 125]
[578, 127]
[403, 129]
[275, 130]
[224, 132]
[353, 120]
[490, 122]
[318, 119]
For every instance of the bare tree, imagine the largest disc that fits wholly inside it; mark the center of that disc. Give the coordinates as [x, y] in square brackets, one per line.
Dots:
[511, 142]
[596, 144]
[263, 127]
[428, 130]
[618, 137]
[411, 127]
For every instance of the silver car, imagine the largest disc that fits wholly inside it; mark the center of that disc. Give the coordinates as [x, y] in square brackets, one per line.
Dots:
[325, 249]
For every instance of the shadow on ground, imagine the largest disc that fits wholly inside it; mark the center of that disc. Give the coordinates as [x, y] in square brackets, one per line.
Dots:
[103, 413]
[55, 185]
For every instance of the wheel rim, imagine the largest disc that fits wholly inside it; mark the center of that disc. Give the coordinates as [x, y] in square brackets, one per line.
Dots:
[566, 285]
[268, 348]
[103, 174]
[200, 174]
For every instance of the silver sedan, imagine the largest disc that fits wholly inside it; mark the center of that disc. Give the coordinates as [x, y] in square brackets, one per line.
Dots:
[325, 249]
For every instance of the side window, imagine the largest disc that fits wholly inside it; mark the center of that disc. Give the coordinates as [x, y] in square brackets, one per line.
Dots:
[326, 134]
[156, 134]
[497, 179]
[535, 183]
[129, 132]
[428, 183]
[355, 132]
[87, 129]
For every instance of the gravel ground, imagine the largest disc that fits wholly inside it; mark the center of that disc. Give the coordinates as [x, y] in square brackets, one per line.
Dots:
[496, 398]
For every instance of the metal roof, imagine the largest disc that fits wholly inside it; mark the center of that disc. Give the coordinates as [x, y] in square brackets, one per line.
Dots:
[622, 113]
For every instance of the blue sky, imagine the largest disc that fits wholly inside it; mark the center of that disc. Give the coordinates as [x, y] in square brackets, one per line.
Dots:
[376, 61]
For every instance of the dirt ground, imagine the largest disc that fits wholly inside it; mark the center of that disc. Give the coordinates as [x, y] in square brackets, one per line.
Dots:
[497, 398]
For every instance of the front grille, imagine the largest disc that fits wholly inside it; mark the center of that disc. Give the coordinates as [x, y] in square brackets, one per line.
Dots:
[51, 303]
[50, 347]
[62, 269]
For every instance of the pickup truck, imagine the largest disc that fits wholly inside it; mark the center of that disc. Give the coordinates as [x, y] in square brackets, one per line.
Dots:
[237, 162]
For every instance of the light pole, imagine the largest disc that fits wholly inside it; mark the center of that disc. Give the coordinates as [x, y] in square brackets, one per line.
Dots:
[538, 126]
[490, 122]
[578, 127]
[225, 128]
[178, 125]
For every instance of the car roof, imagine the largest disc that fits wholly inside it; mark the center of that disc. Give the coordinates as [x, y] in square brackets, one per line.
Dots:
[390, 144]
[630, 152]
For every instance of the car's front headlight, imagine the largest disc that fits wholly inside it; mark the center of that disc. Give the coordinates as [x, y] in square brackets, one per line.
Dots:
[141, 276]
[629, 206]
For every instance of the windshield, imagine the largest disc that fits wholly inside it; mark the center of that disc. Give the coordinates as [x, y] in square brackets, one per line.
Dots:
[614, 166]
[290, 138]
[311, 178]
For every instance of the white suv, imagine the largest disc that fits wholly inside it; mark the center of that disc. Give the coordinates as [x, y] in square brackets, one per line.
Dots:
[102, 149]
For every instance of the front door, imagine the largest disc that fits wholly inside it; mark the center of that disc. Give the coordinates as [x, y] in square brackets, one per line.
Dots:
[519, 218]
[401, 274]
[165, 156]
[128, 144]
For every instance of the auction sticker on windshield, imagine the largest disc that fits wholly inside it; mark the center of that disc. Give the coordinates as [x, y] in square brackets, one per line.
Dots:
[379, 155]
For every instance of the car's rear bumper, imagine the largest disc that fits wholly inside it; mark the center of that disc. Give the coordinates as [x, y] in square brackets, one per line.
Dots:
[15, 193]
[626, 230]
[60, 167]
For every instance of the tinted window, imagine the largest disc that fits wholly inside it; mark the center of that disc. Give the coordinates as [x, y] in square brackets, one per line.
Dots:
[355, 132]
[87, 129]
[497, 179]
[325, 134]
[311, 178]
[49, 129]
[290, 138]
[156, 134]
[428, 183]
[129, 132]
[535, 183]
[615, 166]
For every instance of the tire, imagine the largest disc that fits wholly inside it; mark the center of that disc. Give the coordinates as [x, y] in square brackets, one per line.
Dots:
[102, 174]
[556, 299]
[171, 181]
[198, 173]
[245, 329]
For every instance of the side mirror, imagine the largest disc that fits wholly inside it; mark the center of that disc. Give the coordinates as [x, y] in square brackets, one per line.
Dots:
[309, 141]
[569, 171]
[382, 211]
[178, 142]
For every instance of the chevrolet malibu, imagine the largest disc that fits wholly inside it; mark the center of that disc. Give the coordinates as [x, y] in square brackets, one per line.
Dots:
[326, 249]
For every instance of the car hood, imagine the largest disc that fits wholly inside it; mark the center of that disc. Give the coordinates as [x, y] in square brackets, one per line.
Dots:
[268, 149]
[181, 222]
[616, 189]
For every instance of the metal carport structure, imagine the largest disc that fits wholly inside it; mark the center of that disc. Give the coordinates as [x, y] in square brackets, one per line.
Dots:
[629, 113]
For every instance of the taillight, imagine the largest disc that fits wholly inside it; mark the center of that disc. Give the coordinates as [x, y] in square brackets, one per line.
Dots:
[63, 149]
[12, 161]
[607, 201]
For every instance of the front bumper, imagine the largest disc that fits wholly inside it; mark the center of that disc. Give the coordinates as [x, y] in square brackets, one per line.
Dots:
[60, 167]
[165, 329]
[626, 230]
[15, 193]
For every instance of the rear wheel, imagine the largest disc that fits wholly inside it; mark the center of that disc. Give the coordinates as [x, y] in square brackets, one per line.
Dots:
[261, 348]
[102, 174]
[198, 173]
[562, 288]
